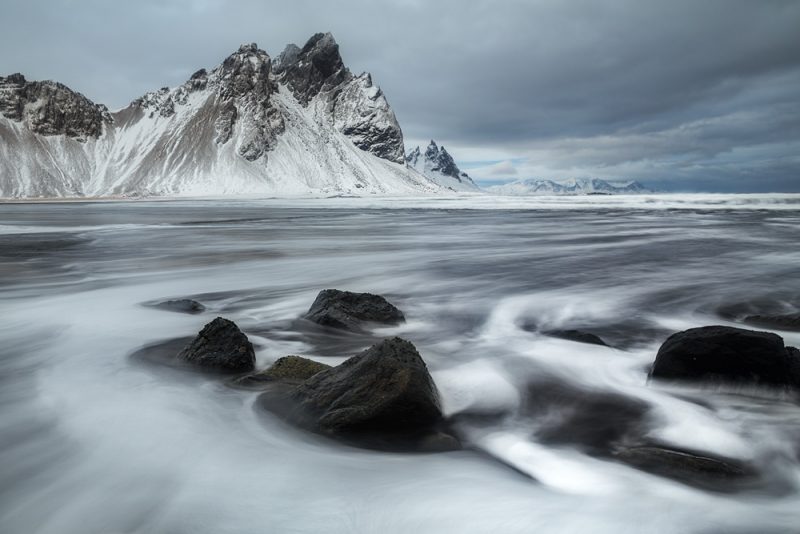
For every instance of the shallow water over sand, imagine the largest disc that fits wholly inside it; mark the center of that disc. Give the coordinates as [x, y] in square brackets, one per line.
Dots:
[97, 442]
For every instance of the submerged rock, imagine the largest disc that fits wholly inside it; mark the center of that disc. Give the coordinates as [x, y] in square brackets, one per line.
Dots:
[349, 311]
[576, 335]
[591, 420]
[788, 321]
[220, 346]
[725, 354]
[692, 468]
[381, 398]
[287, 370]
[179, 305]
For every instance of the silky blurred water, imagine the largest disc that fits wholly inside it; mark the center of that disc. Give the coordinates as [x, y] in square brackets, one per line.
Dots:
[94, 441]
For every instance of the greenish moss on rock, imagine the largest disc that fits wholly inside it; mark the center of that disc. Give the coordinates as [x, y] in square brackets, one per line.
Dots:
[288, 370]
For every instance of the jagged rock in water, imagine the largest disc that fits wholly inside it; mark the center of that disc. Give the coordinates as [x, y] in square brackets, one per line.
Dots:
[50, 108]
[220, 346]
[286, 370]
[438, 165]
[383, 397]
[726, 354]
[349, 311]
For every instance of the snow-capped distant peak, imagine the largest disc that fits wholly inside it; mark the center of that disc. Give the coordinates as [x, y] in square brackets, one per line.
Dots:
[438, 165]
[573, 186]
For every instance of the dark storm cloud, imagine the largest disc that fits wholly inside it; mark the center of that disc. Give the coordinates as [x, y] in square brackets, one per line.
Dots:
[678, 92]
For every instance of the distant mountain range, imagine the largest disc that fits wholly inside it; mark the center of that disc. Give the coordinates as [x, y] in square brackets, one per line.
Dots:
[578, 186]
[296, 125]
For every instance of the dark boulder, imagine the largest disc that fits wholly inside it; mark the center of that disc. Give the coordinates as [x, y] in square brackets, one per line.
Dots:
[576, 335]
[591, 420]
[381, 398]
[725, 354]
[287, 370]
[349, 311]
[180, 306]
[220, 346]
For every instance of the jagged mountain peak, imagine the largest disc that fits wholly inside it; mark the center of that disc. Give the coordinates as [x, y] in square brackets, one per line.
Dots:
[438, 165]
[315, 68]
[250, 48]
[51, 108]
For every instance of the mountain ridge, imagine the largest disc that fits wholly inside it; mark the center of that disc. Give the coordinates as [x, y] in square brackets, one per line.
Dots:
[301, 124]
[574, 186]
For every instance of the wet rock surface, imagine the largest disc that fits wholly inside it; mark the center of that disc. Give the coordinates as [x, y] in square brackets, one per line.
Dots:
[220, 346]
[351, 311]
[726, 354]
[382, 398]
[178, 305]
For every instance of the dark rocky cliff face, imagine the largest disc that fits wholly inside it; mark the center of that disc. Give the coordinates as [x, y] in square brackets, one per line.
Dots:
[243, 86]
[438, 160]
[50, 108]
[315, 68]
[359, 108]
[442, 161]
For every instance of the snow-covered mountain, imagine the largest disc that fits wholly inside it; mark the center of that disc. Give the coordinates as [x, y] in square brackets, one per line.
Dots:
[578, 186]
[301, 124]
[438, 165]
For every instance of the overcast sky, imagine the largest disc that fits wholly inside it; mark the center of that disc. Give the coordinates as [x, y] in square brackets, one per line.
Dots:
[679, 94]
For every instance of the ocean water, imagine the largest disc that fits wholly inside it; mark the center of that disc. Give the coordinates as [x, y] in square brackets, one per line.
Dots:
[96, 441]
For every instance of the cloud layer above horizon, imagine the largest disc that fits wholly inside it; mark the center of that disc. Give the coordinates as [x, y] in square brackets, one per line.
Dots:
[681, 95]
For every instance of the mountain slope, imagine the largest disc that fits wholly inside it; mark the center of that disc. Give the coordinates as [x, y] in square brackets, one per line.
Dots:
[300, 125]
[438, 165]
[578, 186]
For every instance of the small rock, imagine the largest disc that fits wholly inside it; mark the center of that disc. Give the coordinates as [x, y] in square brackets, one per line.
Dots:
[220, 346]
[576, 335]
[692, 468]
[180, 306]
[288, 370]
[788, 321]
[349, 311]
[725, 354]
